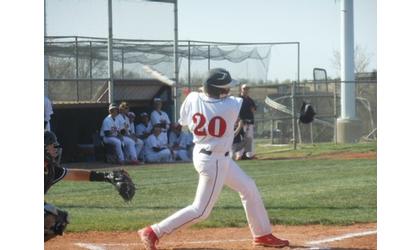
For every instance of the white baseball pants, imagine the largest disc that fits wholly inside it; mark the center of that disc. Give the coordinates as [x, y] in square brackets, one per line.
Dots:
[215, 171]
[139, 146]
[164, 155]
[182, 154]
[130, 147]
[117, 144]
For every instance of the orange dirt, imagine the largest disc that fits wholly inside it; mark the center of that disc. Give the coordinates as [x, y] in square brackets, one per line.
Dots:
[347, 156]
[326, 156]
[223, 238]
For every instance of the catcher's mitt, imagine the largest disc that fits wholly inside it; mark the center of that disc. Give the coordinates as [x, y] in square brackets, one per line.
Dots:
[123, 183]
[55, 221]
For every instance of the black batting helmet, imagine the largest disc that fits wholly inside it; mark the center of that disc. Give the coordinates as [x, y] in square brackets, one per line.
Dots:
[51, 139]
[218, 82]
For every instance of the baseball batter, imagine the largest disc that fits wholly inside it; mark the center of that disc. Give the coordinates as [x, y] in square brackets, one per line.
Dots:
[211, 117]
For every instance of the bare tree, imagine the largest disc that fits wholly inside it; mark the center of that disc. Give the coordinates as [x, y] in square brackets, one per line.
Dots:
[59, 67]
[361, 60]
[65, 68]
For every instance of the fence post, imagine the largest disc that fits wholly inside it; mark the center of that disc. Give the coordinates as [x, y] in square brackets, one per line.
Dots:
[208, 56]
[293, 114]
[189, 65]
[335, 111]
[77, 68]
[90, 69]
[122, 62]
[271, 131]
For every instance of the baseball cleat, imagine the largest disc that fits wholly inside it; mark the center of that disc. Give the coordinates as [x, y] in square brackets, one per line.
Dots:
[270, 240]
[148, 237]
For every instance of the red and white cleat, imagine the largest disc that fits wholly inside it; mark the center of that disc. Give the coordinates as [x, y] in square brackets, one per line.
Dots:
[148, 237]
[270, 240]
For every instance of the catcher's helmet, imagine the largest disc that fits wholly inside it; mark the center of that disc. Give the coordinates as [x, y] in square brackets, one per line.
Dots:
[218, 82]
[49, 138]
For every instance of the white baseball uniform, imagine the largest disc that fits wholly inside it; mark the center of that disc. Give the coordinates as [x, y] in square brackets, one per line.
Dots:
[211, 121]
[160, 117]
[129, 144]
[48, 111]
[182, 141]
[139, 144]
[158, 142]
[111, 124]
[141, 129]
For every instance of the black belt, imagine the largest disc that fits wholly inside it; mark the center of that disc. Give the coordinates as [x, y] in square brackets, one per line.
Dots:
[206, 152]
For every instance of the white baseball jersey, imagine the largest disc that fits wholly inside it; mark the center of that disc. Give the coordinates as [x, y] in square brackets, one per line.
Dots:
[141, 128]
[48, 111]
[182, 139]
[132, 128]
[123, 122]
[160, 117]
[210, 120]
[153, 141]
[110, 124]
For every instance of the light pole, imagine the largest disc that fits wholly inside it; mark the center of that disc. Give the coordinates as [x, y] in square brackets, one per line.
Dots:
[348, 125]
[176, 68]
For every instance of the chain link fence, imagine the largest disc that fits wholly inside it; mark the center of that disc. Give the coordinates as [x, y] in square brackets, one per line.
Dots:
[274, 117]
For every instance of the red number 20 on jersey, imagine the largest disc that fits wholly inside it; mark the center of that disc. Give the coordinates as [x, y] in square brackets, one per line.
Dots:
[216, 126]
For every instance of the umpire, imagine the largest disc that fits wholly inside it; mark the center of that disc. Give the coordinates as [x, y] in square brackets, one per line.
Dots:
[247, 116]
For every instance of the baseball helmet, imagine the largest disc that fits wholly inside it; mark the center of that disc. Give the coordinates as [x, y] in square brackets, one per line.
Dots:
[307, 113]
[218, 81]
[49, 138]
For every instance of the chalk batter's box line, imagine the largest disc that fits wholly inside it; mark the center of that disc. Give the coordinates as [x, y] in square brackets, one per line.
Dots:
[312, 245]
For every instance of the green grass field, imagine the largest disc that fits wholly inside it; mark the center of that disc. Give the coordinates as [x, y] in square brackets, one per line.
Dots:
[295, 191]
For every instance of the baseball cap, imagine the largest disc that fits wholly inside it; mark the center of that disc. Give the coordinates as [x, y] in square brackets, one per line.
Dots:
[123, 105]
[220, 78]
[144, 114]
[157, 99]
[112, 106]
[131, 114]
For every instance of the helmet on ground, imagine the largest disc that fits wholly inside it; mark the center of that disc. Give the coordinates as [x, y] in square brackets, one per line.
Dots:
[218, 82]
[307, 113]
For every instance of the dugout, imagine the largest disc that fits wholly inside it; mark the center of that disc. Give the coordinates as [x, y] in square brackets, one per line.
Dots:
[76, 123]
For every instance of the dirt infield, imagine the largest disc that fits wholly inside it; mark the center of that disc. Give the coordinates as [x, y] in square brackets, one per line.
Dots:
[347, 156]
[325, 156]
[354, 237]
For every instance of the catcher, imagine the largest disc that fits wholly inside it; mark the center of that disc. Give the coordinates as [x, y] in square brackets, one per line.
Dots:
[56, 220]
